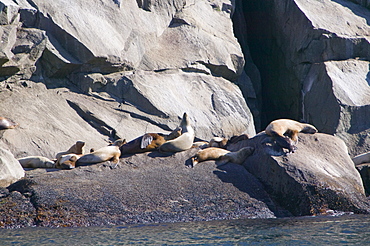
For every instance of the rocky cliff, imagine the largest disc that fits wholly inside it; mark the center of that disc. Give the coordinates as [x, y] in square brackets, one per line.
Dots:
[101, 70]
[313, 57]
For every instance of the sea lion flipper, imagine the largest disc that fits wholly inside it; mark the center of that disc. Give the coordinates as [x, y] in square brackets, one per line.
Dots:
[146, 140]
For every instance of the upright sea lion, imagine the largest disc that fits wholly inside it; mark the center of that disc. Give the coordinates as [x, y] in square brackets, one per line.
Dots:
[183, 142]
[36, 162]
[148, 142]
[285, 130]
[106, 153]
[7, 123]
[215, 153]
[362, 158]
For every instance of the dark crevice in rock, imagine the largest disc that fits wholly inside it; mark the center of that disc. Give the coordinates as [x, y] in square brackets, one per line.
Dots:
[221, 70]
[269, 59]
[175, 22]
[144, 4]
[250, 80]
[32, 3]
[117, 2]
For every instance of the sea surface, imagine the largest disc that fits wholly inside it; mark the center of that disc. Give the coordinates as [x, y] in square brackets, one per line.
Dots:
[336, 230]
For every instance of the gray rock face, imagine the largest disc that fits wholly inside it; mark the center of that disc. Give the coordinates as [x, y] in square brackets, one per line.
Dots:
[314, 60]
[10, 169]
[119, 67]
[319, 176]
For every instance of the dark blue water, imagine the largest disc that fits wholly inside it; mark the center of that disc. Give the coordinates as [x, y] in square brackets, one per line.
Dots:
[341, 230]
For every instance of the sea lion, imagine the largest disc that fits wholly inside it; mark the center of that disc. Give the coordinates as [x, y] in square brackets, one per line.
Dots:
[215, 153]
[362, 158]
[67, 161]
[285, 130]
[106, 153]
[7, 123]
[183, 142]
[218, 142]
[200, 144]
[36, 162]
[148, 142]
[77, 148]
[237, 157]
[237, 138]
[211, 153]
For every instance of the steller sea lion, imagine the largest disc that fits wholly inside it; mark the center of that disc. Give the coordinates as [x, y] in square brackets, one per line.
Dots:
[106, 153]
[235, 139]
[183, 142]
[362, 158]
[215, 153]
[148, 142]
[67, 161]
[36, 162]
[200, 144]
[211, 153]
[237, 157]
[7, 123]
[285, 130]
[218, 142]
[77, 149]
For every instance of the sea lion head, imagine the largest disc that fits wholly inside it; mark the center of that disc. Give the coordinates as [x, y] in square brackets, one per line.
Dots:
[79, 147]
[185, 120]
[175, 133]
[119, 142]
[7, 123]
[309, 129]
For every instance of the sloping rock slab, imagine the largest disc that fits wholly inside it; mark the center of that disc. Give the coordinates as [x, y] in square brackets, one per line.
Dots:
[144, 188]
[319, 176]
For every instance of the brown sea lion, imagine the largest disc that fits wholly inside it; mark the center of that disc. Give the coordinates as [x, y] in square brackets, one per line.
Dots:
[238, 138]
[218, 142]
[183, 142]
[200, 144]
[67, 161]
[77, 148]
[224, 156]
[284, 131]
[36, 162]
[211, 153]
[148, 142]
[107, 153]
[7, 123]
[237, 157]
